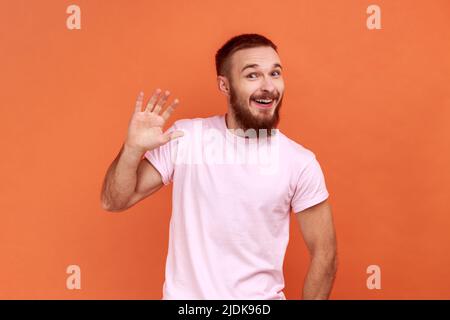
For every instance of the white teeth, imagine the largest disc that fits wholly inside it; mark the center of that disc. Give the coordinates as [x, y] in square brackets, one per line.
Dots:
[264, 101]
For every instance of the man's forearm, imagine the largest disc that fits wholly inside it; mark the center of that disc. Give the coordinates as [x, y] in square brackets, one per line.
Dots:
[120, 179]
[320, 278]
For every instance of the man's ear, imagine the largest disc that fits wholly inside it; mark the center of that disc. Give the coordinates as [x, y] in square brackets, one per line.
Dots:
[224, 85]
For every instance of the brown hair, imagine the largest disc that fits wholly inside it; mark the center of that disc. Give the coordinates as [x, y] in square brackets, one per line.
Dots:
[243, 41]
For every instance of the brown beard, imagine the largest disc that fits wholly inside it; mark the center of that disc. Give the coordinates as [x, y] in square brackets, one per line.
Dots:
[246, 120]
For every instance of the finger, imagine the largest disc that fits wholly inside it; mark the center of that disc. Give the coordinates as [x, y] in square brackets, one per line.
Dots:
[176, 134]
[166, 114]
[139, 100]
[152, 100]
[167, 136]
[161, 102]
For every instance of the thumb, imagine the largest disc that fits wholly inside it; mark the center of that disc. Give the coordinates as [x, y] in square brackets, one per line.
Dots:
[167, 136]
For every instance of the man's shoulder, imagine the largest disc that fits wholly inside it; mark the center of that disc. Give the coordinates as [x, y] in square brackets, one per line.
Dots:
[296, 150]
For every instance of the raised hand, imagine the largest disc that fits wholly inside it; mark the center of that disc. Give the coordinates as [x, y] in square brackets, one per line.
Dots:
[145, 130]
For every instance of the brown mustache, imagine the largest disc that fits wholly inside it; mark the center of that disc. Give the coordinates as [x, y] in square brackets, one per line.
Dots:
[265, 98]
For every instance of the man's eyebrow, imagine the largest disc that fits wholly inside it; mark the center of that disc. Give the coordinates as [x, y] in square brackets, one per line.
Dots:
[257, 65]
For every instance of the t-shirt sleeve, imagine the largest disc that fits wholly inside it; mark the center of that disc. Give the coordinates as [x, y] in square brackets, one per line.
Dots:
[311, 188]
[162, 158]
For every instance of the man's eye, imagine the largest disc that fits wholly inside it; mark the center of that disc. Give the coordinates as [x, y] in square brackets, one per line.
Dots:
[277, 73]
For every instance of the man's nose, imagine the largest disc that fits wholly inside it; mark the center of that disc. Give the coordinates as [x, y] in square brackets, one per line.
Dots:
[268, 85]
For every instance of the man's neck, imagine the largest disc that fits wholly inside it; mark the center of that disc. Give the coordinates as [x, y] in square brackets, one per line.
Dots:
[232, 125]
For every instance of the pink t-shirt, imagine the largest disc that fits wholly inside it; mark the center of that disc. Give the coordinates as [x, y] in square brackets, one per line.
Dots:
[231, 203]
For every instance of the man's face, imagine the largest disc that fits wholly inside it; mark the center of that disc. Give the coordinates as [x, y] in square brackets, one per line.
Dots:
[256, 74]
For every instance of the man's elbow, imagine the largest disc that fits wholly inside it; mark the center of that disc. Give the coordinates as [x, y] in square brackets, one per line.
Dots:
[108, 207]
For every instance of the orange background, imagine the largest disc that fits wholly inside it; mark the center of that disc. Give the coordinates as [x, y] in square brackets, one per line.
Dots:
[374, 106]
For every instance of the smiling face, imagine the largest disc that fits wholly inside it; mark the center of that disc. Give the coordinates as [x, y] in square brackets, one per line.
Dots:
[255, 88]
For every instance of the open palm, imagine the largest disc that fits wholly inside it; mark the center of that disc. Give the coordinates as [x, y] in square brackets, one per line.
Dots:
[145, 130]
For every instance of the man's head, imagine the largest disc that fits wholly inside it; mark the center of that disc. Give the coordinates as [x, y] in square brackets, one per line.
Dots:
[248, 69]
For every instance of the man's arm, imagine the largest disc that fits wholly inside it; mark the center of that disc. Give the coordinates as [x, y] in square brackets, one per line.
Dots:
[131, 178]
[128, 180]
[316, 224]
